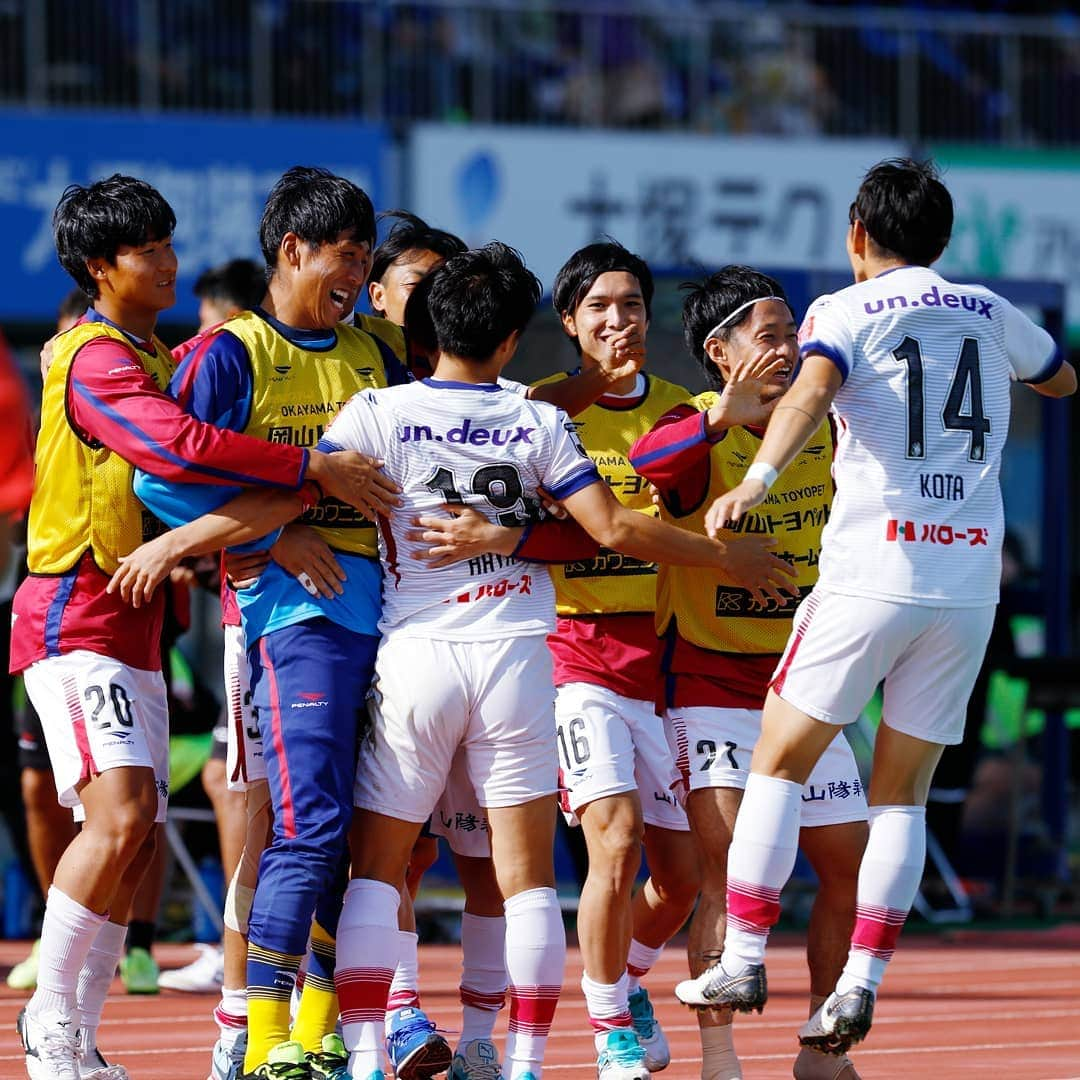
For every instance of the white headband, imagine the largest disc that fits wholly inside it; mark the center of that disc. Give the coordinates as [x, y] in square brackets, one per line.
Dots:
[739, 310]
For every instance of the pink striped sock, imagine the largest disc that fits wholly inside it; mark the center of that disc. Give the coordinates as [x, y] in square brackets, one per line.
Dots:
[535, 959]
[405, 988]
[889, 877]
[367, 953]
[483, 974]
[760, 860]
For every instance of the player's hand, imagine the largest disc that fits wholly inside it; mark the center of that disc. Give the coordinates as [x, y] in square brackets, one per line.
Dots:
[243, 568]
[730, 507]
[356, 479]
[748, 562]
[463, 535]
[625, 354]
[45, 357]
[552, 505]
[304, 553]
[750, 395]
[141, 572]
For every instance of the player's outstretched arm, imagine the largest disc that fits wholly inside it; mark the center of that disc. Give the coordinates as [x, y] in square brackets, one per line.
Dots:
[797, 416]
[354, 478]
[744, 560]
[247, 517]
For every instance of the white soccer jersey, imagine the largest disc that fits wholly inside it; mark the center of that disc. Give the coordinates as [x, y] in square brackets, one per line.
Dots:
[921, 420]
[477, 444]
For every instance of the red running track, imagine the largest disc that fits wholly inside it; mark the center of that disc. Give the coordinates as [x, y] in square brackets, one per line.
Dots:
[977, 1006]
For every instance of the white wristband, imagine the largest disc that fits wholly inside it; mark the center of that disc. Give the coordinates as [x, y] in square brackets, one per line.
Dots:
[763, 472]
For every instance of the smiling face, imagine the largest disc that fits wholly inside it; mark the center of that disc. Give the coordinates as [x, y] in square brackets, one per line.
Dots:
[390, 295]
[613, 304]
[770, 325]
[324, 281]
[140, 279]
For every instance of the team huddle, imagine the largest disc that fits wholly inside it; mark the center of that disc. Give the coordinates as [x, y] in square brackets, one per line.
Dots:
[454, 604]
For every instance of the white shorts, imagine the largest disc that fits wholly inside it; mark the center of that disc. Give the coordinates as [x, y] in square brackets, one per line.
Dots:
[713, 747]
[494, 699]
[244, 761]
[842, 647]
[100, 714]
[610, 745]
[458, 815]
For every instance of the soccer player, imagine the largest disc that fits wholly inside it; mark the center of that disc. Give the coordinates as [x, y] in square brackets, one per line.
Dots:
[618, 773]
[282, 372]
[723, 645]
[225, 291]
[409, 252]
[460, 437]
[916, 371]
[91, 668]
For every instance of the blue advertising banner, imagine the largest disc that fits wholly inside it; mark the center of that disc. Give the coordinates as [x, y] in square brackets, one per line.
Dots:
[215, 173]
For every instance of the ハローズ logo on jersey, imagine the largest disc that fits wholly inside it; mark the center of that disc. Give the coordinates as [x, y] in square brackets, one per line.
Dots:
[931, 533]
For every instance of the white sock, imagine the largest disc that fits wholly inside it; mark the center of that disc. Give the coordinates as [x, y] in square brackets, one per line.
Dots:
[367, 954]
[889, 877]
[718, 1058]
[483, 974]
[231, 1015]
[404, 988]
[608, 1005]
[639, 961]
[760, 860]
[96, 977]
[67, 935]
[535, 960]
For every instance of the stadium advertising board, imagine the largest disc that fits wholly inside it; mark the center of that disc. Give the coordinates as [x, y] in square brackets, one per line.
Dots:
[215, 173]
[1015, 217]
[677, 200]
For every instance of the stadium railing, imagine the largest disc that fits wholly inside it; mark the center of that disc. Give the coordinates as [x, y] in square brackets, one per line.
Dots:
[680, 64]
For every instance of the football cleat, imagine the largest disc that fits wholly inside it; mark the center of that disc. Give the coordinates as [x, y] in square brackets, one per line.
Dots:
[622, 1058]
[226, 1063]
[416, 1050]
[476, 1060]
[93, 1066]
[139, 972]
[747, 992]
[286, 1061]
[50, 1045]
[649, 1032]
[842, 1021]
[331, 1062]
[204, 975]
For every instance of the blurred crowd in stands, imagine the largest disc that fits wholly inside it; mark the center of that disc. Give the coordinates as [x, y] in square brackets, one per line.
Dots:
[831, 68]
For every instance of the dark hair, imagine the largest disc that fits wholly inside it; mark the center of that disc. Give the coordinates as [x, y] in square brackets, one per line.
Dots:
[711, 301]
[73, 306]
[93, 222]
[579, 273]
[419, 329]
[475, 301]
[906, 210]
[411, 233]
[239, 283]
[316, 205]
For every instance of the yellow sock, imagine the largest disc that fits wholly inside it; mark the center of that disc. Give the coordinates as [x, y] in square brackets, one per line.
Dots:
[318, 1010]
[270, 980]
